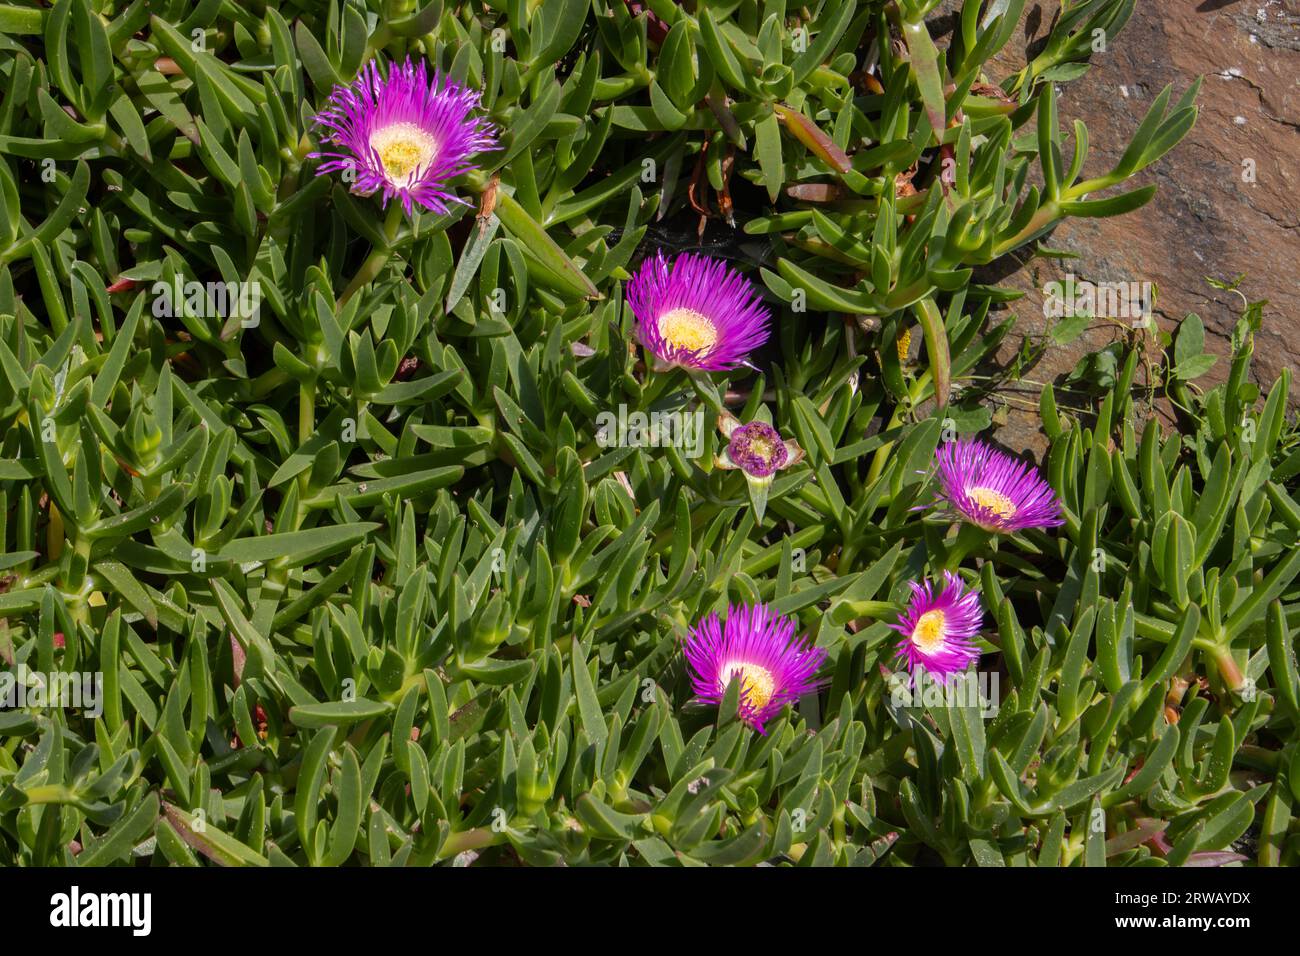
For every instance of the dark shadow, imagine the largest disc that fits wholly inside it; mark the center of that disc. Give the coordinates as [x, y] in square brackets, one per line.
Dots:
[944, 25]
[1210, 5]
[1035, 44]
[1034, 20]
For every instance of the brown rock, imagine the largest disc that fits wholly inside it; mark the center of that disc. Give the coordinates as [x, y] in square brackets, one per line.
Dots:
[1226, 203]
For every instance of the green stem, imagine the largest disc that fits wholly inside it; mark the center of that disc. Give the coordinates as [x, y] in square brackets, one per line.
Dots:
[79, 565]
[378, 258]
[306, 428]
[882, 453]
[1047, 214]
[969, 538]
[268, 382]
[1228, 669]
[306, 411]
[1259, 758]
[476, 839]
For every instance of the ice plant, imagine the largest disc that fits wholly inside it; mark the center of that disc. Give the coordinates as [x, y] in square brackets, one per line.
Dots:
[937, 627]
[757, 647]
[759, 452]
[696, 312]
[403, 134]
[992, 490]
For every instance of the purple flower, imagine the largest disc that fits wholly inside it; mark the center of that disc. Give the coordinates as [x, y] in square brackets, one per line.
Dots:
[993, 490]
[757, 647]
[696, 312]
[937, 628]
[403, 135]
[759, 451]
[757, 448]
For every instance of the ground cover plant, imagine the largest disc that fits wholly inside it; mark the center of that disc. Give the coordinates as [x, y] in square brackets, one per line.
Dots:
[508, 431]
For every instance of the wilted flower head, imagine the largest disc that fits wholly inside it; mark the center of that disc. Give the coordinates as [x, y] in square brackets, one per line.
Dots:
[937, 628]
[757, 448]
[696, 312]
[403, 134]
[757, 647]
[993, 490]
[759, 451]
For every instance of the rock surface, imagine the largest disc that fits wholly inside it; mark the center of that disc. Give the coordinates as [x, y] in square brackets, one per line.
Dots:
[1227, 198]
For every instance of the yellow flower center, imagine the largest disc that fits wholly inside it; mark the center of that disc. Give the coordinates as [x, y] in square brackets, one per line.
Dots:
[994, 501]
[756, 683]
[763, 447]
[689, 330]
[404, 149]
[928, 633]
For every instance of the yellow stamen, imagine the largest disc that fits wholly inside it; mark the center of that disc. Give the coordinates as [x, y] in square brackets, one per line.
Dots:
[904, 344]
[689, 330]
[928, 633]
[994, 501]
[763, 448]
[756, 683]
[404, 149]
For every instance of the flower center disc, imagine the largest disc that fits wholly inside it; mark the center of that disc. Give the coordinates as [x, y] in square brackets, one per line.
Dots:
[404, 149]
[757, 448]
[763, 447]
[994, 501]
[928, 633]
[688, 330]
[756, 683]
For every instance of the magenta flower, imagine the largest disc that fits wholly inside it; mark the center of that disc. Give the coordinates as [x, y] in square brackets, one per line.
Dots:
[696, 312]
[937, 628]
[993, 490]
[403, 135]
[757, 647]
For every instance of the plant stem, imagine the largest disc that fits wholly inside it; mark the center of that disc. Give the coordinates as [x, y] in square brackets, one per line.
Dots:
[1228, 669]
[378, 258]
[268, 382]
[306, 411]
[476, 839]
[882, 453]
[969, 538]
